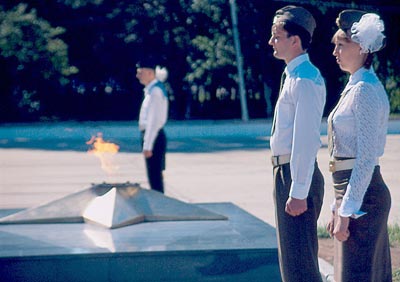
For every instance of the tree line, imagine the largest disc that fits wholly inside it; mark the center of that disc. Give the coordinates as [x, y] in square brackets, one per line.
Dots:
[75, 59]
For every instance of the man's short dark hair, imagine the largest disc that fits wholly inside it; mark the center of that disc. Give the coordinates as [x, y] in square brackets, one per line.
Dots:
[294, 29]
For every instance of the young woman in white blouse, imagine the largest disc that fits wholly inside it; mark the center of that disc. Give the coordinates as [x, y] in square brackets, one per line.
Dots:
[357, 129]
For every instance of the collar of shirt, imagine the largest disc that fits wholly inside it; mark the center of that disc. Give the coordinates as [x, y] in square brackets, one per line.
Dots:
[148, 86]
[356, 77]
[295, 62]
[362, 74]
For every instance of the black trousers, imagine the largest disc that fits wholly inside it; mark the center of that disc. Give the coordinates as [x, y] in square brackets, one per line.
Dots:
[297, 236]
[156, 163]
[365, 256]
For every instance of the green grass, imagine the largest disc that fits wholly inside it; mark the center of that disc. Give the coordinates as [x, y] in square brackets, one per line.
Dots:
[394, 240]
[322, 233]
[396, 275]
[394, 235]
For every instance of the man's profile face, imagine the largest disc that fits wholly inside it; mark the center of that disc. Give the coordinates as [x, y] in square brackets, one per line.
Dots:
[280, 41]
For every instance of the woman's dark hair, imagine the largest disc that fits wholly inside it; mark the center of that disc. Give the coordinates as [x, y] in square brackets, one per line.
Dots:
[368, 60]
[294, 29]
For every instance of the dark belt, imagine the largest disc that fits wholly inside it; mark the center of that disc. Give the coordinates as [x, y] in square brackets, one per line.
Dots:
[160, 130]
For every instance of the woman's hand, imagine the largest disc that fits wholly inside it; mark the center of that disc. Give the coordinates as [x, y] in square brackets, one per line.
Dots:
[331, 224]
[341, 230]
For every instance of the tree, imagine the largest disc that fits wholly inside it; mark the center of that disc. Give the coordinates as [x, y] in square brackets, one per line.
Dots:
[42, 41]
[33, 56]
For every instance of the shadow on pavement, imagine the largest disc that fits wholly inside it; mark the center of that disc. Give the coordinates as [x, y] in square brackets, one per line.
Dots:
[188, 137]
[184, 145]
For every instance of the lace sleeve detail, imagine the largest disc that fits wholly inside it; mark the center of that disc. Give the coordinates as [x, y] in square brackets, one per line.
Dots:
[366, 109]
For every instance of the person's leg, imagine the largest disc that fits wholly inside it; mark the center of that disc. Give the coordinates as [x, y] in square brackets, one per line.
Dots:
[297, 236]
[365, 256]
[156, 164]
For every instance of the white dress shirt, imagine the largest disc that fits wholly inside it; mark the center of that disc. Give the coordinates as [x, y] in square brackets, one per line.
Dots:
[153, 113]
[298, 113]
[359, 131]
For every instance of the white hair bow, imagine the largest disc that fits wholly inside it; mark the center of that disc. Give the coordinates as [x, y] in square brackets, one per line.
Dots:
[161, 73]
[368, 33]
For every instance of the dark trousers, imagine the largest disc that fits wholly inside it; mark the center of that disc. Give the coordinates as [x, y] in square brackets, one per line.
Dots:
[297, 236]
[156, 163]
[365, 256]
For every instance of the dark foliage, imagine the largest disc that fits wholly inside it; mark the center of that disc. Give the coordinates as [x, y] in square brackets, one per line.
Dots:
[81, 65]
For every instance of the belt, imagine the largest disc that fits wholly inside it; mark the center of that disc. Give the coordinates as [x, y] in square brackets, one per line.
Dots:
[280, 160]
[339, 165]
[143, 131]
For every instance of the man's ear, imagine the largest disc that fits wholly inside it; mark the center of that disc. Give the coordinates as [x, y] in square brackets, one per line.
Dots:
[295, 39]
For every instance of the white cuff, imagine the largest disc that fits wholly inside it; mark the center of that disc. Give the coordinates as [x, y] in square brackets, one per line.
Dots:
[298, 191]
[349, 208]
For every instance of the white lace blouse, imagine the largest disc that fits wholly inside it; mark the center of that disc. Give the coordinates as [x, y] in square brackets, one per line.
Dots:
[359, 131]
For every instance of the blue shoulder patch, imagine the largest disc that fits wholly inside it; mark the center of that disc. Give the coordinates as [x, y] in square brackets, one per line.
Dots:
[369, 77]
[306, 70]
[160, 85]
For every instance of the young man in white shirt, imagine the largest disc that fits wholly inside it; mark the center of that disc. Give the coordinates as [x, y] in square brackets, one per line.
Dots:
[295, 140]
[152, 118]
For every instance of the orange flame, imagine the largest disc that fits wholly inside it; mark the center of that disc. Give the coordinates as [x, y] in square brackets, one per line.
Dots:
[104, 151]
